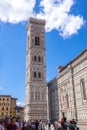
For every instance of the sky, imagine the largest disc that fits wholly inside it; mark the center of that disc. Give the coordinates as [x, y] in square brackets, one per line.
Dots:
[66, 37]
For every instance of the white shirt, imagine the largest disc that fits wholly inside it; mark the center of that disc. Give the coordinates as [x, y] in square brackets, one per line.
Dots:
[1, 127]
[17, 124]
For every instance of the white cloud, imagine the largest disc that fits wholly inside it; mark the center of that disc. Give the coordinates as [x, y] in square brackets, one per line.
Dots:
[14, 11]
[55, 12]
[20, 103]
[57, 16]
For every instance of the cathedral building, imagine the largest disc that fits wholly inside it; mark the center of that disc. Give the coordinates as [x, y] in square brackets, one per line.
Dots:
[72, 89]
[53, 106]
[36, 86]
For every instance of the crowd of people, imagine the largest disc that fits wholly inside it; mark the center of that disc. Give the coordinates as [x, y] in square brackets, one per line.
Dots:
[65, 125]
[13, 124]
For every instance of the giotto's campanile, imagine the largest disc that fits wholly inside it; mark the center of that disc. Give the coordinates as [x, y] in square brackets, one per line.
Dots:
[36, 94]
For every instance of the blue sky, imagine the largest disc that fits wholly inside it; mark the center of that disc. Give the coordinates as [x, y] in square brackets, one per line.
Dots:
[66, 37]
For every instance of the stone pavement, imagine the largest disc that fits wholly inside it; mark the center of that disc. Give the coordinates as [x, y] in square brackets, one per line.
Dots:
[81, 127]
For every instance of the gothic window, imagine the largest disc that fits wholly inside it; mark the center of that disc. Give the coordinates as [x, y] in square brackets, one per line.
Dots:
[39, 59]
[82, 83]
[37, 41]
[39, 74]
[35, 74]
[35, 58]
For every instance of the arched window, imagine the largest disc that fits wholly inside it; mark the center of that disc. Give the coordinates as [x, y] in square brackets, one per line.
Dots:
[82, 83]
[35, 58]
[7, 104]
[3, 104]
[37, 41]
[2, 108]
[6, 108]
[39, 74]
[7, 99]
[39, 58]
[35, 74]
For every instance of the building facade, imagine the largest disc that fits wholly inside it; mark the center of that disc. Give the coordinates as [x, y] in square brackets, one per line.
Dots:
[7, 106]
[53, 100]
[72, 89]
[20, 113]
[36, 94]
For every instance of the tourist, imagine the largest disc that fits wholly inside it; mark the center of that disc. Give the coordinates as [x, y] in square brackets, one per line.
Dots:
[59, 125]
[49, 125]
[13, 124]
[72, 126]
[8, 125]
[64, 123]
[1, 126]
[36, 125]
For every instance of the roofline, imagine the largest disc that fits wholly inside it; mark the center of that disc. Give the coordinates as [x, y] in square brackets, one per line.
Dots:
[36, 21]
[63, 68]
[5, 95]
[8, 96]
[52, 80]
[19, 106]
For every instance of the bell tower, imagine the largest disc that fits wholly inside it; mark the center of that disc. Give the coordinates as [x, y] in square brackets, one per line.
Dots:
[36, 87]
